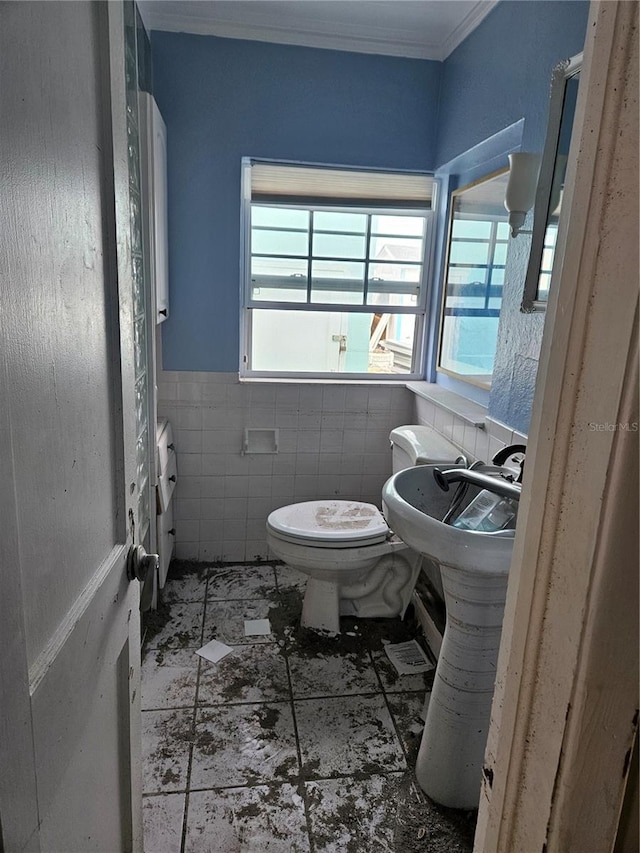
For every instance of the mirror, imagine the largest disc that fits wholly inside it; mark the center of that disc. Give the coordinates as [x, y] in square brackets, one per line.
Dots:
[562, 107]
[477, 248]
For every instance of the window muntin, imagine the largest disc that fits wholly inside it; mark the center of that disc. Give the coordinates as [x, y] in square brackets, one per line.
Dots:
[474, 278]
[362, 271]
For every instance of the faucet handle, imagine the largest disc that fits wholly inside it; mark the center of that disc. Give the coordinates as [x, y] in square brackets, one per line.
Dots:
[507, 452]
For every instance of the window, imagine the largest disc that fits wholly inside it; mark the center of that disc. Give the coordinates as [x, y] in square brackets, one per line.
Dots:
[474, 277]
[334, 271]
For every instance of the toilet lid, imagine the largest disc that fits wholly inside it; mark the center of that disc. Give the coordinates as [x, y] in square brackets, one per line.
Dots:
[330, 521]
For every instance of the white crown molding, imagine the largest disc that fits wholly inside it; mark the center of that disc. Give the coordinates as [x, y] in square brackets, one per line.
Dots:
[388, 43]
[467, 25]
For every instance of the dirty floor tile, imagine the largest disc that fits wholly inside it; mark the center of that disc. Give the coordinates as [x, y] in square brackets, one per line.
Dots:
[225, 621]
[332, 675]
[185, 583]
[169, 679]
[347, 734]
[162, 818]
[347, 814]
[237, 745]
[406, 710]
[289, 578]
[166, 737]
[251, 673]
[261, 819]
[235, 582]
[182, 629]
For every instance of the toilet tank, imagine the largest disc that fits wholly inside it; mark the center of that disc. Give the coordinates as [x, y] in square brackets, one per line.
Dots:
[419, 445]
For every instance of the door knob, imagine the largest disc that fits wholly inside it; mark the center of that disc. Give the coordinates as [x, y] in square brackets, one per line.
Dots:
[140, 564]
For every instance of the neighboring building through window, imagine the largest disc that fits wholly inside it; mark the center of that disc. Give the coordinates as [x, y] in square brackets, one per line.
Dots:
[334, 271]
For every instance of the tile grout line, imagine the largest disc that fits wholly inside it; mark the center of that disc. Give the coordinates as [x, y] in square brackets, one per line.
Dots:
[183, 837]
[389, 709]
[301, 781]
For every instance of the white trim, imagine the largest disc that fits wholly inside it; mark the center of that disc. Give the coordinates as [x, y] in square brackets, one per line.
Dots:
[473, 19]
[354, 38]
[562, 717]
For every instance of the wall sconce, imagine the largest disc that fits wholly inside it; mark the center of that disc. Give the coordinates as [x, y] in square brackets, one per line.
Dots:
[521, 189]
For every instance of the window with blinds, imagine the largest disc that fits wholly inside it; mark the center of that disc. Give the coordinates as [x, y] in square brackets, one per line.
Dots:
[334, 266]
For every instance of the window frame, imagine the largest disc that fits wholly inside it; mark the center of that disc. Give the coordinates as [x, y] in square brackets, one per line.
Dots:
[469, 379]
[248, 304]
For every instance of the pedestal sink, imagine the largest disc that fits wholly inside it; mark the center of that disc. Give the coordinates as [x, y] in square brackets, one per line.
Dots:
[474, 568]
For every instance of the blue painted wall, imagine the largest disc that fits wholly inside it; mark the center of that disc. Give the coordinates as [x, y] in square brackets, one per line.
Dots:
[223, 99]
[500, 74]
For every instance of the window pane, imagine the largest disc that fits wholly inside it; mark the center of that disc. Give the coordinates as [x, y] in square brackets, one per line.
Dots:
[396, 249]
[267, 242]
[471, 228]
[331, 342]
[408, 226]
[337, 281]
[502, 231]
[279, 217]
[331, 221]
[338, 246]
[468, 253]
[500, 253]
[469, 345]
[278, 279]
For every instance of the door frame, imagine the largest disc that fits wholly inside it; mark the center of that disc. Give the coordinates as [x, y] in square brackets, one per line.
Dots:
[564, 716]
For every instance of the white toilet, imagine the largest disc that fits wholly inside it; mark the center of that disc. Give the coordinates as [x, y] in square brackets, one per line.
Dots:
[356, 566]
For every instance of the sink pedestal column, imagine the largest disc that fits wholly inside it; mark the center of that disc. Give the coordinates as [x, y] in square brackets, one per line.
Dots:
[449, 765]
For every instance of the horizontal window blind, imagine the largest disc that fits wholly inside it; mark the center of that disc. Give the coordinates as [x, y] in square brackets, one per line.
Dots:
[286, 183]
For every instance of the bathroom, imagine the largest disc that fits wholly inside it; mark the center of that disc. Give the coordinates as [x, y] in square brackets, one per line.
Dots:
[245, 753]
[223, 100]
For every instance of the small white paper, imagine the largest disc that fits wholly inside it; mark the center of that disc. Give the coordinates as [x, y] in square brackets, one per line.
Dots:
[256, 627]
[408, 658]
[214, 651]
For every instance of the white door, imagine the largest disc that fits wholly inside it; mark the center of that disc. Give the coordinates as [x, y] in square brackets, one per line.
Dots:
[69, 617]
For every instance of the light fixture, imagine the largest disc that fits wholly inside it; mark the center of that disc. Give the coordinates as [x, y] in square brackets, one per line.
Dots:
[521, 189]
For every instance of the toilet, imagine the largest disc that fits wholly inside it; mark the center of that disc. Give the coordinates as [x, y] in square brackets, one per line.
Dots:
[356, 566]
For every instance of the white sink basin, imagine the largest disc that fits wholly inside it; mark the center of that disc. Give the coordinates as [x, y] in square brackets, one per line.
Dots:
[413, 506]
[474, 568]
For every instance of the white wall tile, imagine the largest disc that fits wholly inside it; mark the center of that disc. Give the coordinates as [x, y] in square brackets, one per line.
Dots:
[261, 463]
[379, 399]
[210, 552]
[234, 508]
[212, 508]
[482, 445]
[189, 391]
[187, 531]
[425, 411]
[307, 464]
[259, 507]
[282, 485]
[256, 550]
[284, 463]
[261, 395]
[236, 464]
[308, 441]
[500, 431]
[211, 530]
[212, 464]
[350, 486]
[330, 440]
[333, 398]
[187, 417]
[187, 550]
[238, 487]
[188, 487]
[351, 463]
[234, 528]
[259, 487]
[187, 509]
[233, 551]
[188, 440]
[212, 487]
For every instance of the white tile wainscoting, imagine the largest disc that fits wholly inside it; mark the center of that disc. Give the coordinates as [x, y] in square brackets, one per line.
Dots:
[333, 442]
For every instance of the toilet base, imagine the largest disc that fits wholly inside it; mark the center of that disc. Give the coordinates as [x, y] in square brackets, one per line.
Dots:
[321, 606]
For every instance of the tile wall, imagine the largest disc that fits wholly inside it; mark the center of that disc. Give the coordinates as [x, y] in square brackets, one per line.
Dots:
[333, 442]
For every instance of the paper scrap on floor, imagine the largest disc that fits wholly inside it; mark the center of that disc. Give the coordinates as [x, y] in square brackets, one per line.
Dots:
[256, 627]
[408, 658]
[214, 651]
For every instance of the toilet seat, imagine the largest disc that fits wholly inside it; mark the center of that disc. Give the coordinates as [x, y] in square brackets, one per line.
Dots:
[329, 524]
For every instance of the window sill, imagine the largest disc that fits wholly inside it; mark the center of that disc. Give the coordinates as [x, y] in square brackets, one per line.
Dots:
[467, 410]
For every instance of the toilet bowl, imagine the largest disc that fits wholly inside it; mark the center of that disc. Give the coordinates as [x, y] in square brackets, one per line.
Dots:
[355, 564]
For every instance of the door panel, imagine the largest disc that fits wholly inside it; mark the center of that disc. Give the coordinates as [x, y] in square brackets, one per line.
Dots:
[71, 762]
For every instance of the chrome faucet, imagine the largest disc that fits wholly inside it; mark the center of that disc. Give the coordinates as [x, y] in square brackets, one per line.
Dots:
[497, 485]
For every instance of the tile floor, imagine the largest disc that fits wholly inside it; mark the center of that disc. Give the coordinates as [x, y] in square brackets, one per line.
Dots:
[295, 743]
